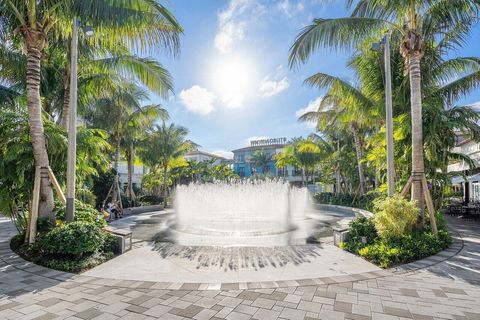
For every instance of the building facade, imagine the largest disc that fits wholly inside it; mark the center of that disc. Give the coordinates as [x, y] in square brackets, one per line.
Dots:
[471, 184]
[243, 166]
[138, 172]
[201, 156]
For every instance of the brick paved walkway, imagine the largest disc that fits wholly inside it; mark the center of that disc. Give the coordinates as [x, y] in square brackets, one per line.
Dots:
[446, 286]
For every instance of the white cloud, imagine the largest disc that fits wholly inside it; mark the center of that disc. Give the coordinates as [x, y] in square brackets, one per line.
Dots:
[312, 106]
[273, 85]
[229, 33]
[289, 9]
[198, 100]
[270, 87]
[233, 22]
[223, 153]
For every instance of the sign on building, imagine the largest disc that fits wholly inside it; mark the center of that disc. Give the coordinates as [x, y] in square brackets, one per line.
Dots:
[268, 142]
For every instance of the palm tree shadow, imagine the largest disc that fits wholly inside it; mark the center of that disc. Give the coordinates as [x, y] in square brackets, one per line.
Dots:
[237, 258]
[465, 265]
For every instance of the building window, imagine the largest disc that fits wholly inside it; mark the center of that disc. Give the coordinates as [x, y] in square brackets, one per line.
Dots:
[282, 172]
[297, 172]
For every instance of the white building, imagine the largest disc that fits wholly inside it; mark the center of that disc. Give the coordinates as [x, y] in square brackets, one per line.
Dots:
[138, 172]
[465, 145]
[201, 156]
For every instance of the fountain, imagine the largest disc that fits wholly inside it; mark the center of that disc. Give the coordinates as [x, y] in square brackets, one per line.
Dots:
[241, 213]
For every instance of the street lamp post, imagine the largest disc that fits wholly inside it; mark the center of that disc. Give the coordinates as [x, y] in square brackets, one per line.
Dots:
[72, 127]
[388, 106]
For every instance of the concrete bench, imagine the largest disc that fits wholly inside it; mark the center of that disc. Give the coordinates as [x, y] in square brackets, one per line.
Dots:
[340, 235]
[124, 238]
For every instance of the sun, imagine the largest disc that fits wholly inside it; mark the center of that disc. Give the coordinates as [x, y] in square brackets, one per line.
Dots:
[234, 80]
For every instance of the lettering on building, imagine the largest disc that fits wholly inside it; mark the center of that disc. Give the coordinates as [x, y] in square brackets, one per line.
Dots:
[268, 142]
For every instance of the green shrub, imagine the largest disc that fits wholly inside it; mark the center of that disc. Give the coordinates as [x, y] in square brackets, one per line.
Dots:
[394, 216]
[76, 238]
[44, 225]
[83, 212]
[76, 265]
[148, 200]
[360, 227]
[381, 254]
[350, 200]
[17, 241]
[406, 248]
[110, 243]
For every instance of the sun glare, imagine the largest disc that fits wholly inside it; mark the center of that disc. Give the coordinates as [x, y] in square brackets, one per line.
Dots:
[233, 78]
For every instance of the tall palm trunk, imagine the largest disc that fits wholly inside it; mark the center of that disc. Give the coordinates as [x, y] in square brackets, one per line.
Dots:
[359, 154]
[165, 185]
[34, 53]
[418, 167]
[66, 101]
[130, 168]
[337, 181]
[115, 194]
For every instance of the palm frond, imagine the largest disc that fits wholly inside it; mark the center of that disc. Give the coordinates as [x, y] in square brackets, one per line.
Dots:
[339, 33]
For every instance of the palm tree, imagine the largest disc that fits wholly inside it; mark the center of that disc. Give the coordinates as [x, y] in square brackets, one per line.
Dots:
[308, 155]
[419, 24]
[118, 114]
[346, 108]
[133, 131]
[31, 23]
[287, 158]
[260, 159]
[164, 144]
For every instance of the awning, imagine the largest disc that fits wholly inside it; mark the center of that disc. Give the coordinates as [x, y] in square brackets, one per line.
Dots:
[475, 177]
[460, 179]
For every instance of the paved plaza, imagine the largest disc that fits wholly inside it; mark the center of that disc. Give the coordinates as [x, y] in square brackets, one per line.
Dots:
[445, 286]
[167, 262]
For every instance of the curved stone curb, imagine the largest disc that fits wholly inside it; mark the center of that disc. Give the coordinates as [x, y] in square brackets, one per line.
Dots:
[356, 211]
[10, 258]
[453, 250]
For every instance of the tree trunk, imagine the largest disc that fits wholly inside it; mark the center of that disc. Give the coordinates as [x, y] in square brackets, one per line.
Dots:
[303, 177]
[359, 153]
[418, 167]
[66, 101]
[34, 53]
[337, 181]
[165, 185]
[115, 167]
[130, 168]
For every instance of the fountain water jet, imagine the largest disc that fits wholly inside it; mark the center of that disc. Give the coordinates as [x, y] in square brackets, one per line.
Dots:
[240, 213]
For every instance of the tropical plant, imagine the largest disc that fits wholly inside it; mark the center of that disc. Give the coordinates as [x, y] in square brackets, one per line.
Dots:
[161, 146]
[394, 216]
[443, 24]
[260, 159]
[123, 117]
[33, 24]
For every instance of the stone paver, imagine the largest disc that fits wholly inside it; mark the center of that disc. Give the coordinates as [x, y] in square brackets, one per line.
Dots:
[446, 286]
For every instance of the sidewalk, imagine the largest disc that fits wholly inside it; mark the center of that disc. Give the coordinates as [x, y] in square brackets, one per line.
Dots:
[446, 286]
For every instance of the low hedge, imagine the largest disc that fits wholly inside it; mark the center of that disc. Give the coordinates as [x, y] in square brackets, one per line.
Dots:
[393, 250]
[76, 239]
[364, 202]
[83, 212]
[72, 247]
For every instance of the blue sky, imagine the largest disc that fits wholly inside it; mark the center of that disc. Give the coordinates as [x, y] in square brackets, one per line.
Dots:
[232, 80]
